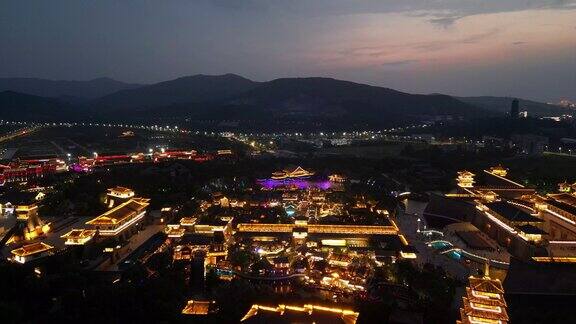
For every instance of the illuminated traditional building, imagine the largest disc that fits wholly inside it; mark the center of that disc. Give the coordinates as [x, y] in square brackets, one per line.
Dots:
[290, 197]
[218, 199]
[78, 236]
[188, 221]
[298, 172]
[199, 307]
[281, 264]
[22, 204]
[488, 195]
[466, 179]
[498, 206]
[31, 252]
[24, 207]
[319, 228]
[121, 219]
[515, 226]
[206, 238]
[559, 212]
[484, 302]
[337, 178]
[118, 195]
[378, 240]
[566, 187]
[223, 225]
[334, 281]
[339, 259]
[299, 314]
[235, 203]
[175, 231]
[532, 227]
[499, 171]
[489, 185]
[180, 155]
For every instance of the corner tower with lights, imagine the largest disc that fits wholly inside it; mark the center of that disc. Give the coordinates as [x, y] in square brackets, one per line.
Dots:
[484, 302]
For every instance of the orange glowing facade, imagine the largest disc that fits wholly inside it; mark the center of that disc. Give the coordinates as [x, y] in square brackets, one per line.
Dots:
[120, 218]
[299, 314]
[198, 307]
[466, 179]
[484, 302]
[298, 172]
[24, 207]
[332, 235]
[319, 228]
[78, 236]
[499, 171]
[567, 187]
[118, 195]
[175, 231]
[30, 252]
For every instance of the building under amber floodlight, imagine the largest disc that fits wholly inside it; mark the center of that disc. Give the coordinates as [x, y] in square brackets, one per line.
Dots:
[484, 302]
[299, 314]
[565, 187]
[31, 252]
[121, 218]
[298, 172]
[199, 307]
[466, 179]
[24, 206]
[78, 236]
[499, 171]
[118, 195]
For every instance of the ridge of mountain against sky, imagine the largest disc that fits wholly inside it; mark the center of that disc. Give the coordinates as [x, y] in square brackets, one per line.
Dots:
[515, 48]
[195, 88]
[90, 89]
[19, 106]
[233, 97]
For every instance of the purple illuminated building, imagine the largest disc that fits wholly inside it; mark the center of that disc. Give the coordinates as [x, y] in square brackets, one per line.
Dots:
[301, 184]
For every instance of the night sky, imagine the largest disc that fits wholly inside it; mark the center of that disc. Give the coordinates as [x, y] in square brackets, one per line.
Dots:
[524, 48]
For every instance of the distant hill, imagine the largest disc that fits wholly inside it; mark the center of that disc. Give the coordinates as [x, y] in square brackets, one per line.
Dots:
[19, 106]
[197, 88]
[322, 99]
[72, 91]
[232, 99]
[502, 105]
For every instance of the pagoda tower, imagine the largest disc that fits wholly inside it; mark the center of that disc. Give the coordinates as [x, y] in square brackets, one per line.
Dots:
[484, 301]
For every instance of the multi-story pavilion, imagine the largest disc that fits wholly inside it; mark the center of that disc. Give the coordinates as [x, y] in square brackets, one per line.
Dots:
[484, 302]
[122, 220]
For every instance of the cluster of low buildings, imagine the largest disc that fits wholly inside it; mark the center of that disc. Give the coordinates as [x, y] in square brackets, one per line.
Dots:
[306, 227]
[29, 237]
[292, 231]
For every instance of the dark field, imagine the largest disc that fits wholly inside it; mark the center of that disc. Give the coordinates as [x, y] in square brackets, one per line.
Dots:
[84, 141]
